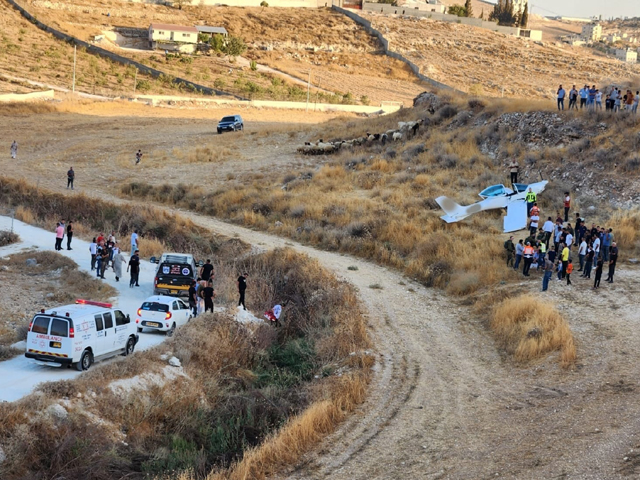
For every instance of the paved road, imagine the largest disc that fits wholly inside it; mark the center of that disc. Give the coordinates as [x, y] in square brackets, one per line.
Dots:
[19, 376]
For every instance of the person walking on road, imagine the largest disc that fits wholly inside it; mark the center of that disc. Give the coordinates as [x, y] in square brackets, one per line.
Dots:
[134, 242]
[69, 235]
[14, 150]
[104, 261]
[70, 177]
[613, 259]
[59, 236]
[242, 287]
[565, 259]
[582, 253]
[134, 267]
[118, 260]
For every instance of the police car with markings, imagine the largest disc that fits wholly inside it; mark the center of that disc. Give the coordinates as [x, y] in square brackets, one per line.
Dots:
[176, 272]
[80, 334]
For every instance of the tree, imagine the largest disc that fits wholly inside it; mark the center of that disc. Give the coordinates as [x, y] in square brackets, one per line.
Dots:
[234, 47]
[264, 4]
[217, 42]
[482, 14]
[524, 17]
[503, 13]
[468, 8]
[458, 10]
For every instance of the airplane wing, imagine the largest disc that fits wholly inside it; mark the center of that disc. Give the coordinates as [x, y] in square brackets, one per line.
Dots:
[516, 218]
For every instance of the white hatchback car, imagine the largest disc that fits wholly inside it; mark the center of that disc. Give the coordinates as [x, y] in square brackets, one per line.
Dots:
[163, 313]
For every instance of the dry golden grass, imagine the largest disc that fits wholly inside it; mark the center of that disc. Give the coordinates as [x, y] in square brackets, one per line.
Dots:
[529, 328]
[299, 434]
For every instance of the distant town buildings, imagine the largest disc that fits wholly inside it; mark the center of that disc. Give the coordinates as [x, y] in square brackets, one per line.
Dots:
[435, 6]
[591, 32]
[627, 55]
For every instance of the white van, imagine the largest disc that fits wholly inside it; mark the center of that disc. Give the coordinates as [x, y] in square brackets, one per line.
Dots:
[80, 334]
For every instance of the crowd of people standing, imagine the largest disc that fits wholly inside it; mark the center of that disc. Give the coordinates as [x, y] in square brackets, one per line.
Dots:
[591, 99]
[551, 247]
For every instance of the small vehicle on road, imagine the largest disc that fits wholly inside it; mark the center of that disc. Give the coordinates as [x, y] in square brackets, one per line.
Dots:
[162, 313]
[80, 334]
[176, 272]
[230, 123]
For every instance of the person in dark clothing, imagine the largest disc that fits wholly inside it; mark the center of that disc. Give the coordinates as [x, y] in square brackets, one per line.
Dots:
[208, 293]
[596, 283]
[206, 271]
[71, 175]
[510, 249]
[69, 235]
[613, 259]
[104, 261]
[588, 263]
[99, 250]
[134, 265]
[242, 286]
[193, 298]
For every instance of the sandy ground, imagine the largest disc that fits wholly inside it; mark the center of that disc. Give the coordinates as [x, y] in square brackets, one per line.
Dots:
[19, 376]
[445, 401]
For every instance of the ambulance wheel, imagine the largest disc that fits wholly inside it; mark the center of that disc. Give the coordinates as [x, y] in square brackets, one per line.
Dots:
[131, 345]
[86, 360]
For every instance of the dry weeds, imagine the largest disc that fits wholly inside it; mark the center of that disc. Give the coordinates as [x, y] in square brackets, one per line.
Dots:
[529, 328]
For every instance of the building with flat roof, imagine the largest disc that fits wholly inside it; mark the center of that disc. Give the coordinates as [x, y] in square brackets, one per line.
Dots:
[164, 36]
[627, 55]
[592, 32]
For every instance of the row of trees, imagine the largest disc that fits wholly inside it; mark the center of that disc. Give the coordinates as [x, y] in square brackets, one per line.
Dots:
[504, 12]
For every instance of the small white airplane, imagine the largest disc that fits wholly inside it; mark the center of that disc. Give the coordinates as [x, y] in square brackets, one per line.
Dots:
[495, 196]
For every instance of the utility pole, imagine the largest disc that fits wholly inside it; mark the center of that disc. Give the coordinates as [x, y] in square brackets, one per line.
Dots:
[135, 81]
[308, 88]
[73, 86]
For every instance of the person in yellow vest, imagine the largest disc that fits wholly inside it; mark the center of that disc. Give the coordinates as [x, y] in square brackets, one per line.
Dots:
[530, 197]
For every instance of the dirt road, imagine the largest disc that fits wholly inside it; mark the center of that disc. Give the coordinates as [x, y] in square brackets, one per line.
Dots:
[444, 404]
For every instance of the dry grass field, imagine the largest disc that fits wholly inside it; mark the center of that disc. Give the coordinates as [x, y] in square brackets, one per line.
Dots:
[342, 57]
[376, 203]
[487, 63]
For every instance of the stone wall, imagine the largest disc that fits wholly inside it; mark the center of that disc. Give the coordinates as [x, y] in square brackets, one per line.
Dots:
[27, 97]
[385, 44]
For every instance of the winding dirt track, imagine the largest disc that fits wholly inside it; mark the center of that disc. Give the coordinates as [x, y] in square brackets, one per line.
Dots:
[445, 404]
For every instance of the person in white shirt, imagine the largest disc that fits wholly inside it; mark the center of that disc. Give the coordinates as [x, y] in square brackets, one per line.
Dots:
[533, 224]
[598, 99]
[569, 241]
[548, 230]
[596, 249]
[93, 250]
[582, 252]
[636, 100]
[134, 242]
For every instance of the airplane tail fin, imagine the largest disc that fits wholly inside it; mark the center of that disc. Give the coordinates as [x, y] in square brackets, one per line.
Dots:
[450, 207]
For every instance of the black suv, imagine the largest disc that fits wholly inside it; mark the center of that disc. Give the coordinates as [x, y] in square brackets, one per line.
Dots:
[231, 124]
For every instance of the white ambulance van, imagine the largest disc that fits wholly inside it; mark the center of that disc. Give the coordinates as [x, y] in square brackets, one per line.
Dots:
[80, 334]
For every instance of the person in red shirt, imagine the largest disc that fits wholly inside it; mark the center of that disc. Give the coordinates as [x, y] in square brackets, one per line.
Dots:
[100, 238]
[567, 205]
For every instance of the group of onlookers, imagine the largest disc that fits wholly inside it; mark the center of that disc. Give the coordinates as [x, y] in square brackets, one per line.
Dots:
[591, 98]
[105, 253]
[551, 248]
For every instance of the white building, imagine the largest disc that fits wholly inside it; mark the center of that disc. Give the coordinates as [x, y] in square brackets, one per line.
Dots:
[627, 55]
[591, 32]
[424, 6]
[173, 37]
